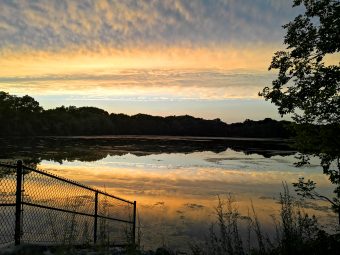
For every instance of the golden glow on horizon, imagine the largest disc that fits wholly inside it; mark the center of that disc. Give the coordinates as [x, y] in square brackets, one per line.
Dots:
[83, 73]
[107, 61]
[137, 73]
[113, 91]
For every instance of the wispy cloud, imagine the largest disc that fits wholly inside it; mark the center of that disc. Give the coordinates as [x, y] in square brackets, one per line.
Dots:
[58, 24]
[146, 84]
[60, 51]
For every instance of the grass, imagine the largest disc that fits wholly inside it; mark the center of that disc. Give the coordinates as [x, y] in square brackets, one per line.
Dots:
[296, 232]
[232, 234]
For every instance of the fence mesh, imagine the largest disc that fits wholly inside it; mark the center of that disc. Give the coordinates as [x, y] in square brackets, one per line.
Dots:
[7, 203]
[7, 217]
[7, 184]
[56, 211]
[46, 226]
[110, 208]
[44, 190]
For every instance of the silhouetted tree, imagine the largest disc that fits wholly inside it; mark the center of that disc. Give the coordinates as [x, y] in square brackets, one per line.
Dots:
[308, 88]
[23, 116]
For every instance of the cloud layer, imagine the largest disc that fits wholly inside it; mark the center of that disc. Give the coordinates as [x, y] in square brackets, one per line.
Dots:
[101, 52]
[59, 24]
[145, 84]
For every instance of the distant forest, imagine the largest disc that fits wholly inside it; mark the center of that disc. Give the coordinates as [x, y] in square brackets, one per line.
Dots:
[23, 116]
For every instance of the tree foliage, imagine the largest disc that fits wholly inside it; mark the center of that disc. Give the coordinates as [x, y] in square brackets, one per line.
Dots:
[22, 116]
[307, 86]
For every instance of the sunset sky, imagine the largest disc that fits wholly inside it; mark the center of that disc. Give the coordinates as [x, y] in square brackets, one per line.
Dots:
[206, 58]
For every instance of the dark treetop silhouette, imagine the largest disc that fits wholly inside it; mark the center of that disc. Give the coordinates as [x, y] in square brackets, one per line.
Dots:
[22, 116]
[309, 89]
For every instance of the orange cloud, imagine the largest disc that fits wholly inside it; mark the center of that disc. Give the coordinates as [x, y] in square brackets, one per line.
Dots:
[107, 60]
[101, 72]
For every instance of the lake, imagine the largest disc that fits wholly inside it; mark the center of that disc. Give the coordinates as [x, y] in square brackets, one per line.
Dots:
[176, 181]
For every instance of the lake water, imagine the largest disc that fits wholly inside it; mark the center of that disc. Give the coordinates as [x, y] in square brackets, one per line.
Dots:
[176, 180]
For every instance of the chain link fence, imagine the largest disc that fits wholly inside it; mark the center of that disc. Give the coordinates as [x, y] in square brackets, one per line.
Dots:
[37, 207]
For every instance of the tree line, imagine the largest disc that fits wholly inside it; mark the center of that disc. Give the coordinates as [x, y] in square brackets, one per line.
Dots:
[23, 116]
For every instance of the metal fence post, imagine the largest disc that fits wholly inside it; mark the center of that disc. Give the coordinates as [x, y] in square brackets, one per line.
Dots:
[134, 223]
[95, 218]
[18, 196]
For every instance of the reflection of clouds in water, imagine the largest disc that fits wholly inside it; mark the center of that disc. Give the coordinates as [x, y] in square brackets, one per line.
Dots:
[176, 204]
[315, 206]
[216, 160]
[184, 181]
[267, 197]
[234, 160]
[194, 206]
[159, 204]
[282, 160]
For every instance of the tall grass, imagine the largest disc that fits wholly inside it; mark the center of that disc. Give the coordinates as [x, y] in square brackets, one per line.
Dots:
[295, 232]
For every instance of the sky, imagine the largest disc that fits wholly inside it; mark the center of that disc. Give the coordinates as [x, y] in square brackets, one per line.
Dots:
[206, 58]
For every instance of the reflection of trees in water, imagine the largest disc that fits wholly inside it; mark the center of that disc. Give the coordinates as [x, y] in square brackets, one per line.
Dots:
[33, 150]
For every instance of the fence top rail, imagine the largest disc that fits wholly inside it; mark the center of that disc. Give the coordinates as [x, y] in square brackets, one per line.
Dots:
[66, 180]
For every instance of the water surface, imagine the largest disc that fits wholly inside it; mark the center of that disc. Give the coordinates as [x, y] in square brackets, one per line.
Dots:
[176, 180]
